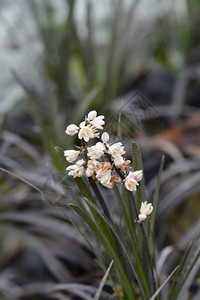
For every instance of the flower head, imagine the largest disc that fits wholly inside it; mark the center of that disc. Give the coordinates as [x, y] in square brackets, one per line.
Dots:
[98, 122]
[119, 161]
[76, 170]
[92, 167]
[113, 180]
[103, 174]
[86, 133]
[131, 180]
[137, 175]
[112, 168]
[72, 129]
[96, 151]
[116, 149]
[145, 210]
[71, 155]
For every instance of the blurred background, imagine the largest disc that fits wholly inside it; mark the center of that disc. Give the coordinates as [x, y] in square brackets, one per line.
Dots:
[136, 62]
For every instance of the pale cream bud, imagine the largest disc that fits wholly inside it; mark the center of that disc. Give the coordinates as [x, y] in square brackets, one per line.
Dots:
[72, 129]
[141, 218]
[137, 175]
[92, 115]
[105, 137]
[82, 124]
[71, 155]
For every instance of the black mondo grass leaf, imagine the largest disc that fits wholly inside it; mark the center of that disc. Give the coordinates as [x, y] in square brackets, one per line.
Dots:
[142, 233]
[59, 60]
[138, 165]
[163, 284]
[84, 291]
[155, 204]
[188, 261]
[156, 193]
[22, 179]
[102, 283]
[107, 242]
[139, 270]
[131, 231]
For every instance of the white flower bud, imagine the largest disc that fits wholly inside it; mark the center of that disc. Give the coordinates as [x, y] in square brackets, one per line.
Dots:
[92, 115]
[72, 129]
[71, 155]
[137, 175]
[141, 218]
[105, 137]
[82, 124]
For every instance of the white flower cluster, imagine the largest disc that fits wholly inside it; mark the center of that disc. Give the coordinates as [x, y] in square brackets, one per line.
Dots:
[102, 161]
[145, 210]
[87, 129]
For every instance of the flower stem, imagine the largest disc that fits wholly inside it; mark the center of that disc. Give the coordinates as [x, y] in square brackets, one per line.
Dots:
[109, 156]
[134, 206]
[96, 189]
[145, 246]
[100, 198]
